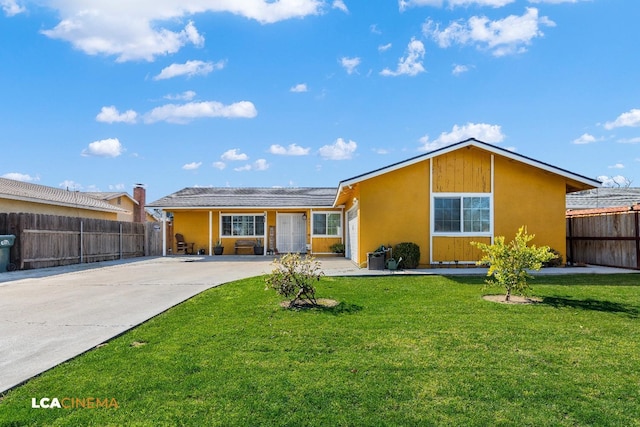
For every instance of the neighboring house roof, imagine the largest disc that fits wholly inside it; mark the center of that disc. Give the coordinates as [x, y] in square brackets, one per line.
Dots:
[35, 193]
[226, 197]
[604, 197]
[578, 179]
[109, 195]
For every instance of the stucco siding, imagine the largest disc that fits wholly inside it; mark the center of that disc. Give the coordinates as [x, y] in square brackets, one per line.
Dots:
[394, 208]
[525, 195]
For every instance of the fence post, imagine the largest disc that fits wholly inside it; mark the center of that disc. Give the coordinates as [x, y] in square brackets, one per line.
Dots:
[81, 241]
[637, 214]
[121, 241]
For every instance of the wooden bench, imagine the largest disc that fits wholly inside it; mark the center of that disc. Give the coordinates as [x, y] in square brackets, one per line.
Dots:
[244, 244]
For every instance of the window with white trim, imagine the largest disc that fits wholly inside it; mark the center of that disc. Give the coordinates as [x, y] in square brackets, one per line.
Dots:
[462, 214]
[326, 224]
[242, 225]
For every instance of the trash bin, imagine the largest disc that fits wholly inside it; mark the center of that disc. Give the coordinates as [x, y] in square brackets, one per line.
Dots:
[6, 241]
[376, 260]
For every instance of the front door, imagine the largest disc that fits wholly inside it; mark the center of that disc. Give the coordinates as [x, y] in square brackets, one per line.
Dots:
[291, 233]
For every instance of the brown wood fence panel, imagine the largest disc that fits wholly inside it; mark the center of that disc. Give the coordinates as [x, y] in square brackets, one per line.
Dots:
[49, 240]
[610, 239]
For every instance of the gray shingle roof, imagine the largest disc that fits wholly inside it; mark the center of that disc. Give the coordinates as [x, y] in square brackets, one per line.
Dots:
[604, 197]
[251, 197]
[26, 191]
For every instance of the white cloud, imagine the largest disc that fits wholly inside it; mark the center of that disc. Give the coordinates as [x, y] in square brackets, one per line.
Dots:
[585, 139]
[411, 64]
[506, 36]
[291, 150]
[112, 115]
[384, 47]
[459, 69]
[135, 30]
[556, 1]
[104, 148]
[339, 4]
[374, 29]
[192, 166]
[11, 7]
[617, 166]
[299, 88]
[189, 69]
[184, 96]
[219, 165]
[185, 113]
[628, 119]
[233, 155]
[260, 165]
[614, 181]
[405, 4]
[629, 140]
[350, 64]
[71, 185]
[242, 168]
[339, 150]
[117, 187]
[17, 176]
[491, 134]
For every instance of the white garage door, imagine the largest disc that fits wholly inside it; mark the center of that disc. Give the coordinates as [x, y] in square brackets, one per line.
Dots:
[352, 235]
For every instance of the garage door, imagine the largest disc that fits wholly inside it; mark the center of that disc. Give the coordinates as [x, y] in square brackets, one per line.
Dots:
[352, 235]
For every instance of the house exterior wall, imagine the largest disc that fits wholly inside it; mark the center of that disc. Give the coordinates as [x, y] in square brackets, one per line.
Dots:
[18, 206]
[396, 206]
[529, 196]
[196, 227]
[124, 203]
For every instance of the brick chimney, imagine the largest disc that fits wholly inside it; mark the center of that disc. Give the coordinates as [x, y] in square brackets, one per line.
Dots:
[139, 195]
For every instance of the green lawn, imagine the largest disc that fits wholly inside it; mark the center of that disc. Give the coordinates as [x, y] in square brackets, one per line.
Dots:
[398, 351]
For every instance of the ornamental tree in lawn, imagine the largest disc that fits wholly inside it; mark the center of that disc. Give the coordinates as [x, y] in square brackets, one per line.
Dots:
[293, 277]
[510, 263]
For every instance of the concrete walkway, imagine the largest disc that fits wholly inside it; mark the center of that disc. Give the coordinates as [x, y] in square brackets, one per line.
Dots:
[48, 316]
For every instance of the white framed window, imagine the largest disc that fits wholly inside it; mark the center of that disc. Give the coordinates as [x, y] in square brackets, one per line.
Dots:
[327, 224]
[470, 214]
[251, 225]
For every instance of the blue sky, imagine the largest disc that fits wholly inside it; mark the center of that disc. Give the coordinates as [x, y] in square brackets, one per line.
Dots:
[178, 93]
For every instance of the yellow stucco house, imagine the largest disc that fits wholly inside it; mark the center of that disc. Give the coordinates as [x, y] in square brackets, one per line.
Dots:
[281, 219]
[441, 200]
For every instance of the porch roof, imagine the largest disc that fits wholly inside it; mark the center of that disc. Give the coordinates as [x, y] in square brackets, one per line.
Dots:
[248, 197]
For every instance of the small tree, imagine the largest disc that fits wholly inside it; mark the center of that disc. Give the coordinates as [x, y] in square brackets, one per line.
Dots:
[294, 276]
[508, 263]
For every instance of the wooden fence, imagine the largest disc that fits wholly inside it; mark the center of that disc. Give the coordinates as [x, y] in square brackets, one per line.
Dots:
[49, 240]
[609, 237]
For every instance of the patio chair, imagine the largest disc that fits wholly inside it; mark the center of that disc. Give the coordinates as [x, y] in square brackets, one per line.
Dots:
[182, 246]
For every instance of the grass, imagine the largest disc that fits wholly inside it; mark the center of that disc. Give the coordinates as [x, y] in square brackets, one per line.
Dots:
[396, 351]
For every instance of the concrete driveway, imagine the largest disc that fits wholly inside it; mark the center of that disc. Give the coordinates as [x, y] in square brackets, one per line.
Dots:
[51, 315]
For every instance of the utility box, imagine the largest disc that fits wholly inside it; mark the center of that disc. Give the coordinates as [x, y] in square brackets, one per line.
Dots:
[6, 242]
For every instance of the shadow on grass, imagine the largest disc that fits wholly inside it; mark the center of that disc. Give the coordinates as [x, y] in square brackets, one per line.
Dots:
[340, 308]
[592, 305]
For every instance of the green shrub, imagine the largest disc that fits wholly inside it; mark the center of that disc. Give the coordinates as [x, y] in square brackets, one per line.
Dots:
[409, 252]
[293, 277]
[337, 248]
[508, 263]
[554, 262]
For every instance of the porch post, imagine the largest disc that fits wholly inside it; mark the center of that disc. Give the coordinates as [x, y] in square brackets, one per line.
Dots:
[164, 233]
[210, 233]
[264, 237]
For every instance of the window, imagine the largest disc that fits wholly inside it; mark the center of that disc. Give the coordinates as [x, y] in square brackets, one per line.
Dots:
[243, 225]
[462, 214]
[326, 224]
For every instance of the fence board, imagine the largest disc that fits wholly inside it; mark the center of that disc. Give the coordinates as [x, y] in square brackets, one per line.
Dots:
[49, 240]
[608, 238]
